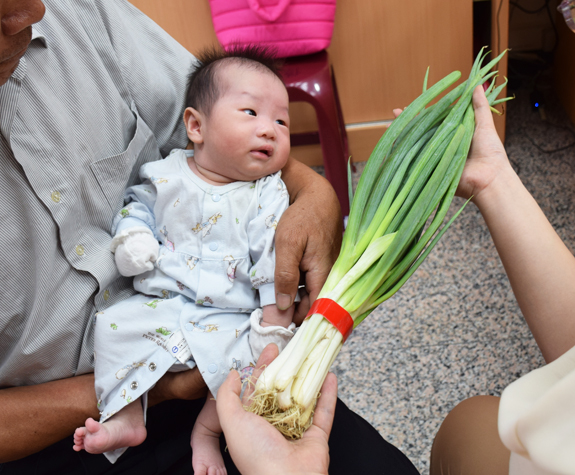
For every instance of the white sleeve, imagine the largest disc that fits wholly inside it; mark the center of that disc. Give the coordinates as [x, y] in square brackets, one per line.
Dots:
[260, 337]
[537, 417]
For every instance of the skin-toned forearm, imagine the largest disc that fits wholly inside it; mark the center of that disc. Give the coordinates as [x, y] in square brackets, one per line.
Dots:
[300, 178]
[540, 267]
[35, 417]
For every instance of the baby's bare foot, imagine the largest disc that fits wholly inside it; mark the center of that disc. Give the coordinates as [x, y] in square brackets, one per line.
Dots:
[206, 456]
[98, 438]
[79, 435]
[125, 429]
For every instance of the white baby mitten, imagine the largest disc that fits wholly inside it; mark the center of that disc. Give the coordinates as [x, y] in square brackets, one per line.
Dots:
[260, 337]
[136, 249]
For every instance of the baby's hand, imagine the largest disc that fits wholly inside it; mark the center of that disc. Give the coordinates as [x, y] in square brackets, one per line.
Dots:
[270, 325]
[273, 316]
[487, 157]
[137, 254]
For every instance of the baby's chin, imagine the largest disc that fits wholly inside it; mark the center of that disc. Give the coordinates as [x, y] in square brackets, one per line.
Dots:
[258, 176]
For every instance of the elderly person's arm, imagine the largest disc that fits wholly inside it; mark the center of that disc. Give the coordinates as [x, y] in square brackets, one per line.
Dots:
[35, 417]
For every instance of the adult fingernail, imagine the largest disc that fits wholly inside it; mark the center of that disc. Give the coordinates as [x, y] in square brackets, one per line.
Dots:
[283, 301]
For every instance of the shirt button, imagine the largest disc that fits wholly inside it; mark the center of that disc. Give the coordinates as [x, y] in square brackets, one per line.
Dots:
[213, 368]
[152, 366]
[134, 385]
[56, 197]
[106, 294]
[189, 326]
[80, 250]
[216, 197]
[213, 246]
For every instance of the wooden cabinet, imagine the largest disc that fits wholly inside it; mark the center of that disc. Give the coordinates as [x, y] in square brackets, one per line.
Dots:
[564, 67]
[380, 52]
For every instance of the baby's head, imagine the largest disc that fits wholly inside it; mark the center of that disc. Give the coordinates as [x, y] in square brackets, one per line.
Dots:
[237, 115]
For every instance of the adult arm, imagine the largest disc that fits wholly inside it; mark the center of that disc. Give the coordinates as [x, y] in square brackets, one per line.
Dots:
[35, 417]
[308, 236]
[154, 68]
[541, 269]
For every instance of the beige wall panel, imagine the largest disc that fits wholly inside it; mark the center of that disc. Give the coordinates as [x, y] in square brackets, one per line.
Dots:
[362, 141]
[188, 21]
[381, 50]
[303, 118]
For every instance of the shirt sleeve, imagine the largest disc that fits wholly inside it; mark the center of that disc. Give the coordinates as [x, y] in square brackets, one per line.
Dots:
[154, 66]
[139, 209]
[537, 416]
[273, 201]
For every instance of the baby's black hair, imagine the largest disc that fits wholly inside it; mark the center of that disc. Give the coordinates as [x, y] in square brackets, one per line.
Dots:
[203, 85]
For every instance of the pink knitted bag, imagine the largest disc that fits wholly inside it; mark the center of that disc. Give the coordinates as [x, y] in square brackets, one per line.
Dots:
[291, 27]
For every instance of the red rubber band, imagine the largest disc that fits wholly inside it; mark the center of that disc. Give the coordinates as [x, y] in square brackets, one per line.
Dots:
[334, 313]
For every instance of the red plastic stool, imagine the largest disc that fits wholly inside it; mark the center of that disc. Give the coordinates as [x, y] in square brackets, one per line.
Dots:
[311, 79]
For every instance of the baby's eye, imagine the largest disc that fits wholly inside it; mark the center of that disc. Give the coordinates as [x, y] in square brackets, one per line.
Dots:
[281, 122]
[250, 112]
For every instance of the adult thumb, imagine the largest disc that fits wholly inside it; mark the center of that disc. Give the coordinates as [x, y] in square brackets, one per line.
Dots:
[483, 115]
[228, 403]
[289, 252]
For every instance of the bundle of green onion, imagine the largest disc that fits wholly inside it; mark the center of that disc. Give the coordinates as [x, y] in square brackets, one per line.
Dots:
[400, 203]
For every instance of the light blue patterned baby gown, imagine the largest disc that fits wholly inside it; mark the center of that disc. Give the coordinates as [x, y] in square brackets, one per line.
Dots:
[215, 266]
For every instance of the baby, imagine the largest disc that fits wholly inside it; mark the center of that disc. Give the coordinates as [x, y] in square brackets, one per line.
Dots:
[214, 208]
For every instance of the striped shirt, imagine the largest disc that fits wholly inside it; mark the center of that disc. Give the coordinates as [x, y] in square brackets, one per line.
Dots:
[99, 92]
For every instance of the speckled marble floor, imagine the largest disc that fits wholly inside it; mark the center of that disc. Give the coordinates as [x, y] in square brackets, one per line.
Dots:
[454, 330]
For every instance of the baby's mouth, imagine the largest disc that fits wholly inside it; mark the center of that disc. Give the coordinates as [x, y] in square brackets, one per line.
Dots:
[263, 151]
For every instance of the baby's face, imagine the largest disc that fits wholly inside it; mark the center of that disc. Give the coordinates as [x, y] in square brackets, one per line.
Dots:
[246, 136]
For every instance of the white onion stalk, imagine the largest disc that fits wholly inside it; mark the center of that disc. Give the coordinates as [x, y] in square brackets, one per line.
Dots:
[401, 201]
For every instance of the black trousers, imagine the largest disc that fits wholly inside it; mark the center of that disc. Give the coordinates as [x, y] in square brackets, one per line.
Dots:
[355, 448]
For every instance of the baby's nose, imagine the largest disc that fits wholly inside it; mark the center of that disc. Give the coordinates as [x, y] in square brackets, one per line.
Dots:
[267, 129]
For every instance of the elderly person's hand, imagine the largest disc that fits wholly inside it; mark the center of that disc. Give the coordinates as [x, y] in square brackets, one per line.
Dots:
[257, 447]
[308, 236]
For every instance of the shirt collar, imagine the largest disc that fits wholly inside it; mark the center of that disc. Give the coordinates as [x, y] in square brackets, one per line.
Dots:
[38, 38]
[38, 34]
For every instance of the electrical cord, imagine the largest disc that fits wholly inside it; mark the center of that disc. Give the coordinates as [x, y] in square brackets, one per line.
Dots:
[546, 6]
[558, 149]
[538, 147]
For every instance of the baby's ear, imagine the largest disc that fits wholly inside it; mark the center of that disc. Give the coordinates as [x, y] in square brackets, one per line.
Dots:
[193, 121]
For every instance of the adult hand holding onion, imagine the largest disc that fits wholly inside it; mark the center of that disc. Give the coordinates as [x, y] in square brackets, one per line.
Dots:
[256, 447]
